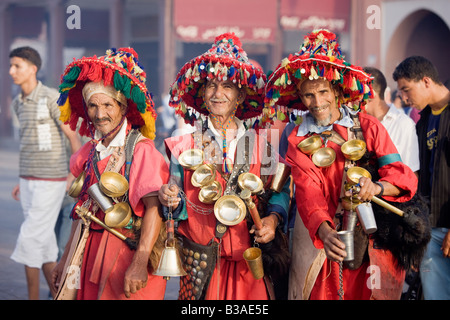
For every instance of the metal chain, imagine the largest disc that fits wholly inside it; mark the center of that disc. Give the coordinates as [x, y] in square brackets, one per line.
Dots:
[198, 209]
[341, 282]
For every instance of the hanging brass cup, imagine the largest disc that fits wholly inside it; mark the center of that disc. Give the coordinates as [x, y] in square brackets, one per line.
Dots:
[230, 210]
[203, 175]
[119, 216]
[253, 258]
[353, 149]
[310, 145]
[113, 184]
[324, 157]
[251, 182]
[281, 175]
[191, 159]
[210, 193]
[77, 185]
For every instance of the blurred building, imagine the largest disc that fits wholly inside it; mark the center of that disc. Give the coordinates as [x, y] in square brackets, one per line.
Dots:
[167, 33]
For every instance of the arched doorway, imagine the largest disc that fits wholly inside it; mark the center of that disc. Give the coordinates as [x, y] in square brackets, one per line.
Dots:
[421, 33]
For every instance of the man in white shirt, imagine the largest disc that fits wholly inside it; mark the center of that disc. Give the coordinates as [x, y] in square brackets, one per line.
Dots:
[400, 127]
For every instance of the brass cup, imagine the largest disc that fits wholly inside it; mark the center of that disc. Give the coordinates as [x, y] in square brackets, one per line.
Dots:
[191, 159]
[310, 145]
[253, 258]
[251, 182]
[203, 175]
[355, 173]
[324, 157]
[281, 175]
[350, 204]
[119, 216]
[77, 185]
[210, 193]
[354, 149]
[113, 184]
[230, 210]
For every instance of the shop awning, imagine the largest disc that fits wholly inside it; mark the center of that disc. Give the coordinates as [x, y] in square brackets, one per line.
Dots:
[203, 20]
[308, 15]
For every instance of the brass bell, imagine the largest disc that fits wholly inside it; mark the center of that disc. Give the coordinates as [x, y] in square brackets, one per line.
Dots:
[170, 264]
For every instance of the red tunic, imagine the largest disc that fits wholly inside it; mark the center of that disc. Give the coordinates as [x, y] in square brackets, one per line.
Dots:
[235, 281]
[317, 195]
[106, 257]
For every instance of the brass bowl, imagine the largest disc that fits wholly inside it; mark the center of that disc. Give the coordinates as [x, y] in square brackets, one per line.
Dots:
[251, 182]
[353, 149]
[355, 173]
[191, 159]
[310, 145]
[230, 210]
[77, 185]
[203, 175]
[350, 204]
[324, 157]
[119, 216]
[113, 184]
[210, 193]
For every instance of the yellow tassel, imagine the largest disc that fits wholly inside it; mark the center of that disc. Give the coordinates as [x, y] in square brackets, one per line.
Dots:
[149, 129]
[354, 85]
[66, 111]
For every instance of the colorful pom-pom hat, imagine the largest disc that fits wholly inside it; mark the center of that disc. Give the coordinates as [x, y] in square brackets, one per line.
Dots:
[226, 60]
[319, 57]
[119, 68]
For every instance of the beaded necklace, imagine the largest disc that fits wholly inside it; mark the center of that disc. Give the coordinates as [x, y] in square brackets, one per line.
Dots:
[226, 163]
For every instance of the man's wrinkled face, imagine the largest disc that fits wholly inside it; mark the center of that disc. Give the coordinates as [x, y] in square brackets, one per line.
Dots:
[222, 97]
[320, 99]
[104, 112]
[413, 92]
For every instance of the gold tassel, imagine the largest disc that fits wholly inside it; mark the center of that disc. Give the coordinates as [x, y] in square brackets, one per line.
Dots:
[66, 111]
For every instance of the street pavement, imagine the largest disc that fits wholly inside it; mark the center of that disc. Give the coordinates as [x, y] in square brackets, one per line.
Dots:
[13, 284]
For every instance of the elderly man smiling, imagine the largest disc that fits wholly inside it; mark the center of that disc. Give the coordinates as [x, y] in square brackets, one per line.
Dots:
[221, 92]
[117, 112]
[317, 79]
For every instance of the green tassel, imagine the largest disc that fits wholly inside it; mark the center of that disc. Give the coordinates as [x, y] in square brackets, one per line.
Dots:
[119, 81]
[66, 85]
[126, 87]
[298, 74]
[73, 74]
[276, 94]
[139, 98]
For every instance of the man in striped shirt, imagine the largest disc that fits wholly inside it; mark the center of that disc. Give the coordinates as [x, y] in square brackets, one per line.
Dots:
[43, 167]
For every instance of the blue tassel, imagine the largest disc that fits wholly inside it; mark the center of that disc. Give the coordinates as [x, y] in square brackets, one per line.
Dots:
[62, 98]
[231, 72]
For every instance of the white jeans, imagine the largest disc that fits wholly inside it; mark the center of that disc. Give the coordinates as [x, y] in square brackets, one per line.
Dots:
[41, 202]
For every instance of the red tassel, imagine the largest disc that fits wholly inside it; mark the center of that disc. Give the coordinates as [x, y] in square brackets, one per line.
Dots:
[95, 72]
[108, 77]
[84, 71]
[329, 74]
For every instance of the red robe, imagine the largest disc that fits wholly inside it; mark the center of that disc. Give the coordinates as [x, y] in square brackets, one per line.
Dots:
[106, 257]
[317, 195]
[235, 280]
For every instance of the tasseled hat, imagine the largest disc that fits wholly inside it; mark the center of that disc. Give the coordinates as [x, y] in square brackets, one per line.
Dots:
[319, 56]
[225, 60]
[120, 69]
